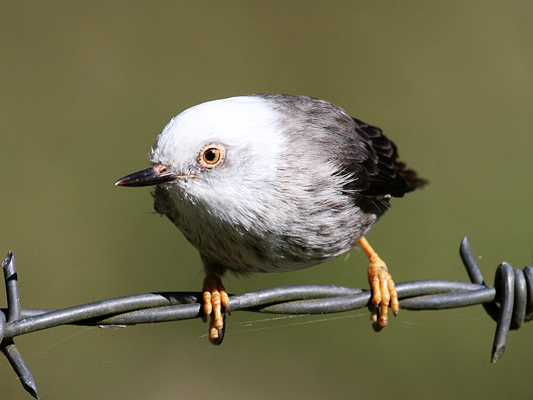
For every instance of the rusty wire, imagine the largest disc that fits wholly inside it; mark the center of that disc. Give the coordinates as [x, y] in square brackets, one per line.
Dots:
[509, 302]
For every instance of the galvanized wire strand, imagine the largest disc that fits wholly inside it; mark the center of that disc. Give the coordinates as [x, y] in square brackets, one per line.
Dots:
[509, 302]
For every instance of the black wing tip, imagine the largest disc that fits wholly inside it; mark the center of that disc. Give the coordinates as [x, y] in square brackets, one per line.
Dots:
[409, 180]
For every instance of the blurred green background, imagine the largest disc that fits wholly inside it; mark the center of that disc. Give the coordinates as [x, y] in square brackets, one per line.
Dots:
[87, 86]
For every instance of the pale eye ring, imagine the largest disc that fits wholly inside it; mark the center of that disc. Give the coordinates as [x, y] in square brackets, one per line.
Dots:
[211, 156]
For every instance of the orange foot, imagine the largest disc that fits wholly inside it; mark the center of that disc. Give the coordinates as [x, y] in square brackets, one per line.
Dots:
[215, 297]
[383, 288]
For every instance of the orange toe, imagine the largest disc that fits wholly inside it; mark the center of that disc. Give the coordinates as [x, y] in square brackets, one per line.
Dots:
[383, 288]
[214, 298]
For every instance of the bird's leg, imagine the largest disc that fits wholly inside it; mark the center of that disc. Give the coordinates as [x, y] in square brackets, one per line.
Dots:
[383, 288]
[215, 297]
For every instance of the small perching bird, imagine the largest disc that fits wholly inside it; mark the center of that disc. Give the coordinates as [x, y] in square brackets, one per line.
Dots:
[273, 183]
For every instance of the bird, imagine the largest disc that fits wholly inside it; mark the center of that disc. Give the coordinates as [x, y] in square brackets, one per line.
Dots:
[274, 183]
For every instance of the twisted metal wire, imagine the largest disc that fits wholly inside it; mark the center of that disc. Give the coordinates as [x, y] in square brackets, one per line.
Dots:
[509, 302]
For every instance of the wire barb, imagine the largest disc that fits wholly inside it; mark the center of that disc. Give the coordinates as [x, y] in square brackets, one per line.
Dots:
[8, 346]
[514, 293]
[509, 302]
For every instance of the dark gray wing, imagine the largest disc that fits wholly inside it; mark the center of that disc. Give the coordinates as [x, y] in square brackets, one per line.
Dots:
[373, 159]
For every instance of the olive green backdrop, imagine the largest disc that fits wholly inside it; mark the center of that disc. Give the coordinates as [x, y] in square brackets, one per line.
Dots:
[87, 86]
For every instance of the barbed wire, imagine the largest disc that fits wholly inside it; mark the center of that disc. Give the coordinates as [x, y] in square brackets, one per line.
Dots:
[509, 302]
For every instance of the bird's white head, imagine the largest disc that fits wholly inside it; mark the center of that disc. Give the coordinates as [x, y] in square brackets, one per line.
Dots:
[222, 153]
[244, 130]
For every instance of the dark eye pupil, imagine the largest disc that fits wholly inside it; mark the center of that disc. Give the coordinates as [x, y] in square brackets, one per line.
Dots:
[210, 155]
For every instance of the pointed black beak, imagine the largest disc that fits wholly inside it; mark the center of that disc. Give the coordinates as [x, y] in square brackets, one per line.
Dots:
[155, 175]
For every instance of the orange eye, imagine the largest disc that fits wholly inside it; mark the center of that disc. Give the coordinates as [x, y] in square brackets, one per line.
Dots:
[211, 156]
